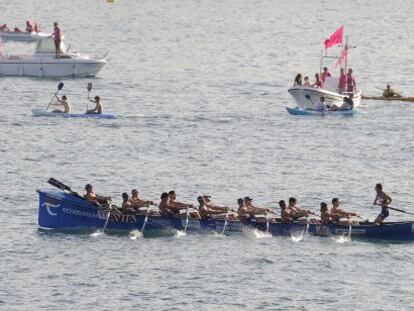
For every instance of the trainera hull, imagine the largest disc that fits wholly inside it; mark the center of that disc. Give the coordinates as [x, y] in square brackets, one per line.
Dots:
[60, 210]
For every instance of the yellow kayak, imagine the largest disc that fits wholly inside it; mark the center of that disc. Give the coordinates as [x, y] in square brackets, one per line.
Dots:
[404, 99]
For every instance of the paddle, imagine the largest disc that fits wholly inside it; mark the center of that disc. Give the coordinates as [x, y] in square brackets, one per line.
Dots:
[60, 86]
[400, 210]
[89, 88]
[56, 183]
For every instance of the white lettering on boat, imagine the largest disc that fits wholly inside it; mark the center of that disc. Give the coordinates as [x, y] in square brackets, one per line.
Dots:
[79, 213]
[354, 231]
[50, 205]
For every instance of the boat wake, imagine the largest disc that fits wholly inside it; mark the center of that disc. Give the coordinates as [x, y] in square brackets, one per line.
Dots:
[261, 234]
[179, 233]
[97, 233]
[135, 234]
[299, 236]
[341, 239]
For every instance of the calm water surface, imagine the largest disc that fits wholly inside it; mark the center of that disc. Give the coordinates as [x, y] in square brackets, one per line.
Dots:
[201, 89]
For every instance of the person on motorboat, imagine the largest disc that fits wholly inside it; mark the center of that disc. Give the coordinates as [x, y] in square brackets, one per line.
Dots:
[16, 29]
[29, 27]
[350, 81]
[321, 105]
[294, 211]
[389, 92]
[382, 199]
[337, 213]
[57, 36]
[98, 106]
[284, 213]
[61, 102]
[326, 217]
[94, 198]
[318, 83]
[307, 82]
[342, 81]
[136, 202]
[325, 74]
[298, 80]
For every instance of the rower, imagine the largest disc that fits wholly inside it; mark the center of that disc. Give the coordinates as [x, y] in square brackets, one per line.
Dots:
[325, 215]
[337, 213]
[296, 212]
[98, 108]
[176, 204]
[136, 202]
[383, 200]
[93, 198]
[219, 209]
[253, 209]
[284, 213]
[61, 102]
[242, 211]
[126, 204]
[166, 209]
[389, 92]
[205, 211]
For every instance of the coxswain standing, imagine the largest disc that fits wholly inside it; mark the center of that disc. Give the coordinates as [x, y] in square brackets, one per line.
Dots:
[383, 200]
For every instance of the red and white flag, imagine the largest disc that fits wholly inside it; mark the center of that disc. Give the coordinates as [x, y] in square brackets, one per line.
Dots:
[336, 38]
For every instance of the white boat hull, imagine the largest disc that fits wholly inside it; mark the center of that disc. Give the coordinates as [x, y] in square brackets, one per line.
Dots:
[22, 36]
[299, 94]
[50, 67]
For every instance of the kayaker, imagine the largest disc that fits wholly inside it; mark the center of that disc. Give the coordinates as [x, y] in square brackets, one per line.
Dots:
[350, 82]
[337, 213]
[307, 82]
[61, 102]
[325, 215]
[136, 202]
[318, 83]
[383, 200]
[294, 211]
[389, 92]
[29, 27]
[321, 105]
[93, 198]
[98, 106]
[298, 80]
[284, 213]
[325, 74]
[342, 81]
[57, 36]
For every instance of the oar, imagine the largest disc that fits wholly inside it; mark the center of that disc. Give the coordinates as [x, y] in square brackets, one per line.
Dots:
[364, 219]
[225, 222]
[56, 183]
[144, 224]
[89, 88]
[107, 218]
[60, 86]
[400, 210]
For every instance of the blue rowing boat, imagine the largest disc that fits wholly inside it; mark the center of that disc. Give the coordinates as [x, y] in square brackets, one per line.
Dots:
[64, 210]
[44, 113]
[307, 112]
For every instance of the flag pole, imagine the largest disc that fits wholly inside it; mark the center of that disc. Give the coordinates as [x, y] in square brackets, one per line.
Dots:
[346, 59]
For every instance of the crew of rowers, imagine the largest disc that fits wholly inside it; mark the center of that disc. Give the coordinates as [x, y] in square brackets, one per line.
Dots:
[29, 28]
[346, 82]
[246, 211]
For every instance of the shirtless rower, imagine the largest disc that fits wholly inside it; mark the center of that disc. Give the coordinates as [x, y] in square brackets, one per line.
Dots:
[94, 198]
[126, 204]
[296, 212]
[253, 209]
[242, 211]
[177, 205]
[98, 106]
[61, 102]
[325, 215]
[337, 213]
[382, 199]
[284, 213]
[219, 209]
[136, 202]
[205, 211]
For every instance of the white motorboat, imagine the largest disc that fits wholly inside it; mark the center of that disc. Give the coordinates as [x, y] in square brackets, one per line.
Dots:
[43, 63]
[18, 36]
[306, 97]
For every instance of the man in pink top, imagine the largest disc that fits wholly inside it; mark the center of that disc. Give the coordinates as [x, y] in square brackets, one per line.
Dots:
[325, 74]
[350, 82]
[342, 81]
[57, 36]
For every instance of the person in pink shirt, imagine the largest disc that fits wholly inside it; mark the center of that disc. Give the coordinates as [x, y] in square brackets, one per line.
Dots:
[325, 74]
[342, 81]
[350, 82]
[318, 83]
[58, 37]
